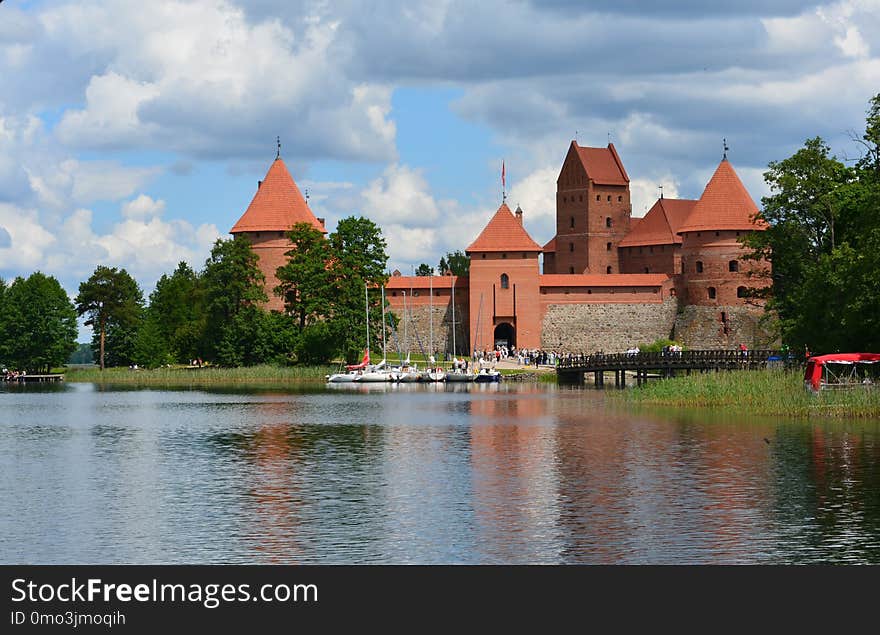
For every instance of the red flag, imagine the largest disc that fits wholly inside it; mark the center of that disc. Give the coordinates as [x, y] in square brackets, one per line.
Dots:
[503, 183]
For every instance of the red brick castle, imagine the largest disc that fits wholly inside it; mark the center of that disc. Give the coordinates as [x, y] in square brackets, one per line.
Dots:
[609, 281]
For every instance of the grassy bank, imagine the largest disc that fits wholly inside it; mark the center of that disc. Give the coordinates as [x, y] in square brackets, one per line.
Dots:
[769, 392]
[210, 376]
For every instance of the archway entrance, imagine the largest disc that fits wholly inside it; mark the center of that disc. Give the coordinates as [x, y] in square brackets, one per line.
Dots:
[505, 335]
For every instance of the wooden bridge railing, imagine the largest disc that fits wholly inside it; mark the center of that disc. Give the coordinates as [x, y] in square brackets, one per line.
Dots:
[667, 363]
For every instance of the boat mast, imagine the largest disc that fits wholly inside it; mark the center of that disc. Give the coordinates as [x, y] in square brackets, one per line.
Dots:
[405, 341]
[367, 304]
[431, 312]
[453, 317]
[383, 323]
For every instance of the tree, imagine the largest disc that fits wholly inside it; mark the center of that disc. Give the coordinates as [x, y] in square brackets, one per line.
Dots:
[424, 270]
[323, 285]
[305, 278]
[823, 240]
[177, 309]
[358, 259]
[37, 323]
[457, 263]
[113, 303]
[233, 289]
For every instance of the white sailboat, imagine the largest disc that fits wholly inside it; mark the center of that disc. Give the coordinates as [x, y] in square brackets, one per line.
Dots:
[434, 372]
[380, 372]
[353, 371]
[457, 372]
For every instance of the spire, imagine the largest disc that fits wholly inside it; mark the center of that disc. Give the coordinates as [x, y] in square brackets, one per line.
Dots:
[724, 158]
[278, 154]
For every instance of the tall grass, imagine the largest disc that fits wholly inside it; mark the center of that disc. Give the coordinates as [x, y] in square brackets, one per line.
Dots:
[209, 376]
[767, 392]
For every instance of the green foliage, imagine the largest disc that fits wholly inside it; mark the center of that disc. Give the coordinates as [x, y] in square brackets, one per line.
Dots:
[37, 323]
[232, 283]
[150, 345]
[84, 354]
[315, 344]
[113, 304]
[306, 277]
[823, 240]
[424, 270]
[457, 263]
[177, 310]
[254, 336]
[324, 281]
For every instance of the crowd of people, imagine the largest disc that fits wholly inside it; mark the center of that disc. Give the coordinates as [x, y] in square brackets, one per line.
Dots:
[12, 375]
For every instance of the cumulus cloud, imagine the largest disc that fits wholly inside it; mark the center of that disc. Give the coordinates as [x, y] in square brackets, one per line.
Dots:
[143, 207]
[203, 79]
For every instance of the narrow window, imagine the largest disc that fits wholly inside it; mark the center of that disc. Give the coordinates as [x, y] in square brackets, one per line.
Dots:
[598, 198]
[571, 270]
[699, 266]
[571, 222]
[717, 234]
[571, 246]
[733, 265]
[724, 317]
[589, 292]
[741, 292]
[505, 281]
[607, 246]
[394, 294]
[711, 293]
[609, 198]
[608, 269]
[619, 199]
[608, 222]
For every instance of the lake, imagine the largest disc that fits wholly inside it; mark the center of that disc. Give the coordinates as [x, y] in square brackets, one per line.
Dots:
[508, 473]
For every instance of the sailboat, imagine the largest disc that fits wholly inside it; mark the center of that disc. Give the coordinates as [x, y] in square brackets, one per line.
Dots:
[378, 372]
[353, 371]
[457, 372]
[406, 372]
[434, 373]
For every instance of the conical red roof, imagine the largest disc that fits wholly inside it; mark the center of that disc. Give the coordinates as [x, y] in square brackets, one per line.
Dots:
[503, 233]
[724, 205]
[660, 224]
[277, 206]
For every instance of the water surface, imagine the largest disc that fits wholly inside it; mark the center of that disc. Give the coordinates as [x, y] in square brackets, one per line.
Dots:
[510, 473]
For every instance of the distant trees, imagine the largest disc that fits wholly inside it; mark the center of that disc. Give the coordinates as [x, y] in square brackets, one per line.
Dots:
[424, 270]
[457, 263]
[113, 303]
[824, 244]
[37, 324]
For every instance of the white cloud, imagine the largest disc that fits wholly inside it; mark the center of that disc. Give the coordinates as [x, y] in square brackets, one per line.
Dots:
[400, 195]
[143, 207]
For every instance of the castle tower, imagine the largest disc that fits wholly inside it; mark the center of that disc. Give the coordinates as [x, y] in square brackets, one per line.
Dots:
[504, 287]
[276, 207]
[592, 212]
[716, 281]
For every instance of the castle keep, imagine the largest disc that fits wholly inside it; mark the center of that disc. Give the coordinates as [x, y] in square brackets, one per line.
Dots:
[609, 281]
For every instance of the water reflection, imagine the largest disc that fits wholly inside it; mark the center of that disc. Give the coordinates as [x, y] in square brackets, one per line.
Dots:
[424, 474]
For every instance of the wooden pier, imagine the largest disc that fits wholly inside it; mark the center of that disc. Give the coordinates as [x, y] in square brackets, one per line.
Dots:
[662, 365]
[34, 378]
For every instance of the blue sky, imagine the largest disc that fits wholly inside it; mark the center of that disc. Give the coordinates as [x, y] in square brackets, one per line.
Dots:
[135, 138]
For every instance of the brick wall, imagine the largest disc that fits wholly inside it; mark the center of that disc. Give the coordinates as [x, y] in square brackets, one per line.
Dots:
[611, 328]
[650, 259]
[701, 327]
[418, 327]
[270, 247]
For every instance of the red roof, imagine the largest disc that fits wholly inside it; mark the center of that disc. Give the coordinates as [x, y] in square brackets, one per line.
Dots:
[503, 233]
[550, 247]
[426, 282]
[725, 204]
[606, 280]
[603, 165]
[660, 224]
[277, 206]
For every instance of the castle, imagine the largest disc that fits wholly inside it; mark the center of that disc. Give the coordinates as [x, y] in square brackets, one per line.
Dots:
[609, 280]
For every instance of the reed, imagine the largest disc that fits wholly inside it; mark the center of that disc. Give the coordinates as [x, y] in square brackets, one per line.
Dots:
[765, 392]
[207, 376]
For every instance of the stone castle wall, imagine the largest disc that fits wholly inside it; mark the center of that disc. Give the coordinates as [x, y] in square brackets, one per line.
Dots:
[701, 327]
[611, 327]
[418, 329]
